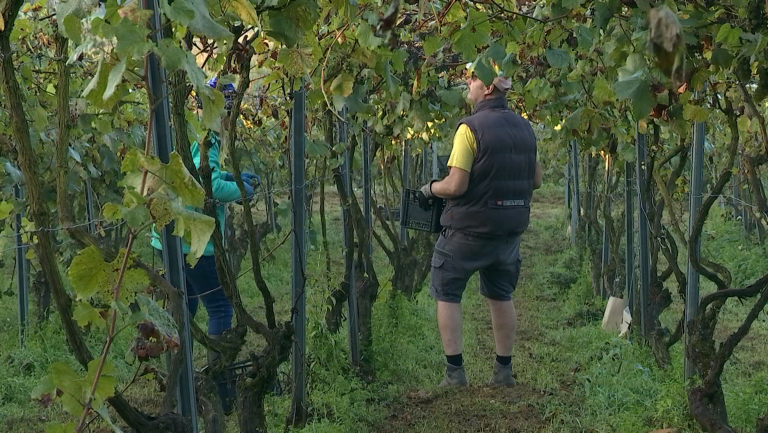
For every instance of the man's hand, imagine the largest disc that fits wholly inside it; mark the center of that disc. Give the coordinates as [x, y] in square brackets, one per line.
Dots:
[425, 196]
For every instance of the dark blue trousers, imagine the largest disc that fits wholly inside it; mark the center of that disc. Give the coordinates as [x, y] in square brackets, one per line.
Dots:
[203, 284]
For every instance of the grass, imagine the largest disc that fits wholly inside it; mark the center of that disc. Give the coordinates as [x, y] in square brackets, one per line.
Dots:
[573, 377]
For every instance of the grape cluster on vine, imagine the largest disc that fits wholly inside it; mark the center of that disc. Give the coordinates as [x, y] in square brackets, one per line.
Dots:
[756, 15]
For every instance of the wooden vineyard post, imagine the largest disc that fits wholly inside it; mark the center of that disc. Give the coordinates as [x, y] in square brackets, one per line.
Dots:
[22, 270]
[692, 290]
[298, 260]
[642, 227]
[173, 258]
[349, 245]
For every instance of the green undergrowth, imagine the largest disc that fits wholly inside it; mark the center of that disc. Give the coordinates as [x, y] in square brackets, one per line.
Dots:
[572, 375]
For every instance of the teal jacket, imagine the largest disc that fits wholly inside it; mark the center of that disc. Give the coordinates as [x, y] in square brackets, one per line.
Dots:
[223, 191]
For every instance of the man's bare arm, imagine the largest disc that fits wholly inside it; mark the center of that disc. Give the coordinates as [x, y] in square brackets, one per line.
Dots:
[454, 185]
[538, 176]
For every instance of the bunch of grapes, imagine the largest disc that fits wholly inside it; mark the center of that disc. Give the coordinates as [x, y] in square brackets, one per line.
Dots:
[762, 84]
[756, 15]
[743, 69]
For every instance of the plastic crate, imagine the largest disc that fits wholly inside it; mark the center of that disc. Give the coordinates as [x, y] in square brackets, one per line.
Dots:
[416, 218]
[392, 215]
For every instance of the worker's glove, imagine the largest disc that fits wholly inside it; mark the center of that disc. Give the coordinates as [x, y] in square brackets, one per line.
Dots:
[425, 196]
[250, 178]
[248, 190]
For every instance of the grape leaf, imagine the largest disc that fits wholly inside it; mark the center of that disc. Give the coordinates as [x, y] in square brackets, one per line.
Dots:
[365, 35]
[432, 44]
[115, 77]
[72, 28]
[107, 382]
[44, 389]
[245, 11]
[343, 85]
[213, 106]
[638, 90]
[6, 210]
[171, 56]
[131, 39]
[65, 379]
[496, 52]
[89, 273]
[104, 414]
[178, 12]
[289, 24]
[96, 88]
[203, 24]
[473, 34]
[558, 58]
[728, 35]
[484, 71]
[602, 91]
[297, 60]
[86, 314]
[694, 113]
[172, 177]
[572, 4]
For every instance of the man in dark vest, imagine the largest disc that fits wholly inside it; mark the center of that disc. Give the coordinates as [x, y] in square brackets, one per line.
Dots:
[493, 172]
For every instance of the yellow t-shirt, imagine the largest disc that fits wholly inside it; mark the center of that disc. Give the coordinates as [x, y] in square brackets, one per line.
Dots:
[464, 149]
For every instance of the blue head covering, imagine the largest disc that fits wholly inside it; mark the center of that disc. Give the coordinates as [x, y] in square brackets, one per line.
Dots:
[228, 90]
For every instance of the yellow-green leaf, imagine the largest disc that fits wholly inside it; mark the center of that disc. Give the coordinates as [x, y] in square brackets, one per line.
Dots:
[86, 314]
[89, 273]
[246, 12]
[603, 91]
[693, 113]
[6, 209]
[107, 382]
[343, 85]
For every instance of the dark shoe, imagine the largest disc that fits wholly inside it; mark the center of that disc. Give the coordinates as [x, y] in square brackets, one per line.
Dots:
[502, 375]
[454, 376]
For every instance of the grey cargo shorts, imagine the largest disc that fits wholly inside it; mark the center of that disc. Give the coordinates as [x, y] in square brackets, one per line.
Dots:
[459, 255]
